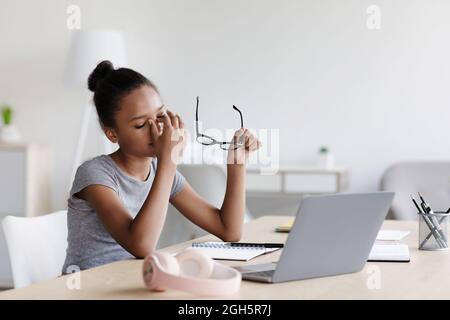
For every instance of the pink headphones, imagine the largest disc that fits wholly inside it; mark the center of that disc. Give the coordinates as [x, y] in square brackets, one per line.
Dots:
[190, 270]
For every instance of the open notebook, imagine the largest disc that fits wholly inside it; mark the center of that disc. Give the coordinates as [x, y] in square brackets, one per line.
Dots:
[224, 251]
[392, 252]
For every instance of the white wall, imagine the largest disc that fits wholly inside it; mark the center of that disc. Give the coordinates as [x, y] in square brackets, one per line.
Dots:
[310, 68]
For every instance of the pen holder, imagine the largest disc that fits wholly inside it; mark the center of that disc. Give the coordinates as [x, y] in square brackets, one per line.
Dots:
[434, 231]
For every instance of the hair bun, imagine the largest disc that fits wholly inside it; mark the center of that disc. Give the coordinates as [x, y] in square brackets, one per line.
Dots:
[100, 72]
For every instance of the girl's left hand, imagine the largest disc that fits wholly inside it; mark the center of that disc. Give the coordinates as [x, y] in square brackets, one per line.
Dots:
[250, 144]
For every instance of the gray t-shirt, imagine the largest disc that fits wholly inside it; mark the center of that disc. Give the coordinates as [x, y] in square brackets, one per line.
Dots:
[89, 243]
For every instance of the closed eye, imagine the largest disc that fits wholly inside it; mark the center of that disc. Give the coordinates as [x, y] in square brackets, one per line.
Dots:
[140, 126]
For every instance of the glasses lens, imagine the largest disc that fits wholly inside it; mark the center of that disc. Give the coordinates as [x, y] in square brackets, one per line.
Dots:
[205, 140]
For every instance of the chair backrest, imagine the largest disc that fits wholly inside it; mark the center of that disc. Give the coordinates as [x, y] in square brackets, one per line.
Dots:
[37, 246]
[431, 179]
[209, 181]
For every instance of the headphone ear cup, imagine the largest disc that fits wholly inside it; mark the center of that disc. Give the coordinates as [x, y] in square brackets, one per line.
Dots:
[195, 263]
[168, 264]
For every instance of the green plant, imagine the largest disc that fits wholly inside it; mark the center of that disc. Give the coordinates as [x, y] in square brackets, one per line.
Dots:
[7, 114]
[323, 149]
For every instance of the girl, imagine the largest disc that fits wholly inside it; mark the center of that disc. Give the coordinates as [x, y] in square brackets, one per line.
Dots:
[118, 202]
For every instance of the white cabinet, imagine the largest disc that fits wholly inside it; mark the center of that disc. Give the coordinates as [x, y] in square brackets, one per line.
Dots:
[297, 180]
[24, 190]
[281, 192]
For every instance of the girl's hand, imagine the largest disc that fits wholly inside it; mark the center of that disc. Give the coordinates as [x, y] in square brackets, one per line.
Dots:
[169, 140]
[249, 144]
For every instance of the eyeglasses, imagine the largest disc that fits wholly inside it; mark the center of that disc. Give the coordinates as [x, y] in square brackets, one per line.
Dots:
[209, 141]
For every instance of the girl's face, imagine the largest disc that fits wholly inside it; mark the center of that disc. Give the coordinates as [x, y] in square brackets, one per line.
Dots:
[132, 131]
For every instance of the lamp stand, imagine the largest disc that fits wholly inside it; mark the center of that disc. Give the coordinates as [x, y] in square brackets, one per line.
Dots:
[108, 146]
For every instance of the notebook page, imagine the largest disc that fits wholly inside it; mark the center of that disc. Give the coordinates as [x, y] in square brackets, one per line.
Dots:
[389, 252]
[391, 235]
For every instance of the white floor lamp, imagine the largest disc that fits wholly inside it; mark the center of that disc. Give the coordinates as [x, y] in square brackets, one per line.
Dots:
[87, 49]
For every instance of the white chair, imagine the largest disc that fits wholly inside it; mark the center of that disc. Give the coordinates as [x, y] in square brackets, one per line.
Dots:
[209, 181]
[37, 246]
[431, 179]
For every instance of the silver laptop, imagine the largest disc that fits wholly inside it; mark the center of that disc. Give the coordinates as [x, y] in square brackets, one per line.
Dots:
[331, 235]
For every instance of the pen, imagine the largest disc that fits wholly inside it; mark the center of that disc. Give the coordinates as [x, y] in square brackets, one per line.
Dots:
[425, 205]
[415, 203]
[429, 224]
[424, 209]
[435, 232]
[431, 233]
[421, 198]
[265, 245]
[433, 219]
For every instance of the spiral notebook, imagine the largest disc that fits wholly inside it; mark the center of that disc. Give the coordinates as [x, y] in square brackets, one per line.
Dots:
[224, 250]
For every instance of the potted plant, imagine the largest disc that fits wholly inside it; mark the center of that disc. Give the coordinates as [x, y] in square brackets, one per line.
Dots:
[8, 132]
[325, 158]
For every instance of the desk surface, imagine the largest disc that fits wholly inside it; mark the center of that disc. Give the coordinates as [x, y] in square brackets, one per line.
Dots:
[425, 277]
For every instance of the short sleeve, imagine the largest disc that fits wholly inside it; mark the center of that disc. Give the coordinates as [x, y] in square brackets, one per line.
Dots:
[94, 172]
[178, 184]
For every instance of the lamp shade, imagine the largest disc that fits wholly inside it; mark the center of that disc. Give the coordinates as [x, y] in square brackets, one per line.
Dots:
[88, 48]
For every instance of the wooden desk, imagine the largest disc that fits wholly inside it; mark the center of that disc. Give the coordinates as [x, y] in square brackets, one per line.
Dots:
[425, 277]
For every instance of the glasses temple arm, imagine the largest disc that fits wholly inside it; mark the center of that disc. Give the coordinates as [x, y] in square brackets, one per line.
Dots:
[196, 116]
[240, 114]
